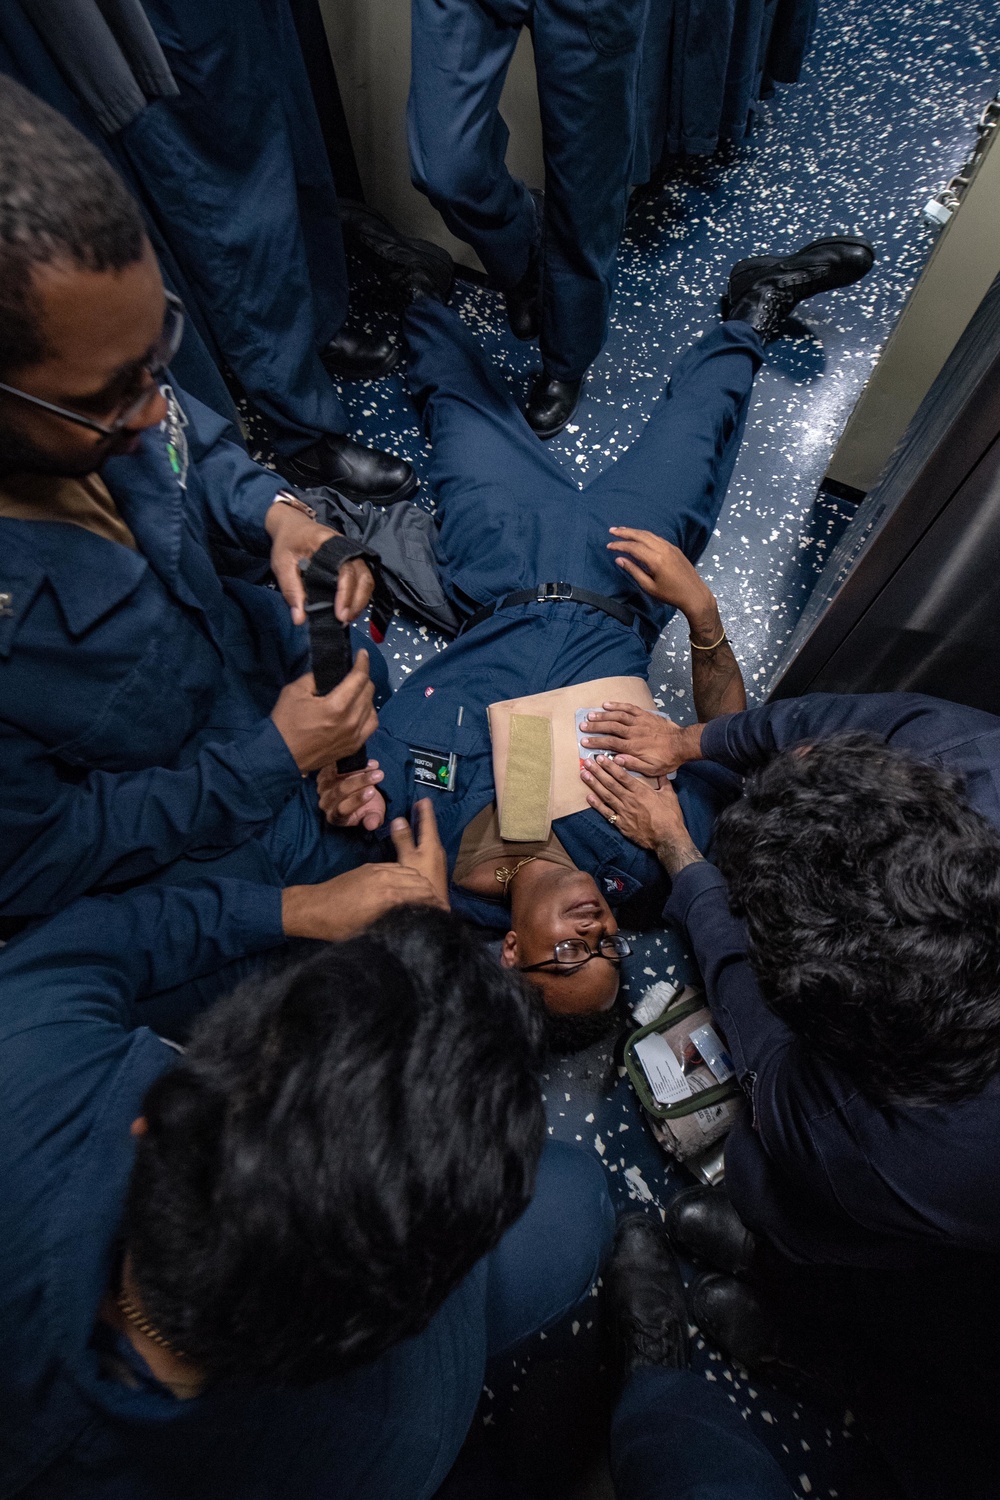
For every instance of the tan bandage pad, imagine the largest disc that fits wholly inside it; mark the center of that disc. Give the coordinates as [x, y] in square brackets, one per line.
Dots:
[566, 793]
[524, 816]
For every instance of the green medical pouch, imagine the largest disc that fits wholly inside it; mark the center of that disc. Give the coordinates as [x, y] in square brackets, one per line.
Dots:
[684, 1077]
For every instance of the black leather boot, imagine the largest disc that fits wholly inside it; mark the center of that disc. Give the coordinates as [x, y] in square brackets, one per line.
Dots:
[406, 267]
[551, 404]
[765, 290]
[523, 301]
[645, 1309]
[729, 1315]
[357, 472]
[353, 355]
[704, 1225]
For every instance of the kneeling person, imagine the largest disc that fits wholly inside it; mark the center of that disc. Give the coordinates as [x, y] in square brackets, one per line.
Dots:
[278, 1262]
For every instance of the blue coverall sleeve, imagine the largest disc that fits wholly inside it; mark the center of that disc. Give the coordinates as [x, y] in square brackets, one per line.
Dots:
[96, 959]
[747, 740]
[63, 838]
[393, 758]
[237, 491]
[773, 1070]
[699, 903]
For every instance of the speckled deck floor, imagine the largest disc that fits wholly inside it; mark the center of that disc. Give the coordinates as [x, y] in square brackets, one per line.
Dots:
[883, 117]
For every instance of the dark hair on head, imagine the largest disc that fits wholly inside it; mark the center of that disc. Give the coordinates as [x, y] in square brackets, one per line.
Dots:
[337, 1148]
[871, 893]
[59, 201]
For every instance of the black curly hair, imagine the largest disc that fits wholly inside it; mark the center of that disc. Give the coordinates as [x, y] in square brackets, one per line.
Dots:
[871, 894]
[336, 1149]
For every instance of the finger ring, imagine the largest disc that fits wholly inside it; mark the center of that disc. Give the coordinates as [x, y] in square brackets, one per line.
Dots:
[612, 817]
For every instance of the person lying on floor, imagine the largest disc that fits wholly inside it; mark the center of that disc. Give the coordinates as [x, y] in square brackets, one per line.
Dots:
[513, 523]
[276, 1263]
[154, 710]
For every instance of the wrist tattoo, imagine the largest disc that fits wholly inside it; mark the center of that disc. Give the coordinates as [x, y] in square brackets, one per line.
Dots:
[676, 856]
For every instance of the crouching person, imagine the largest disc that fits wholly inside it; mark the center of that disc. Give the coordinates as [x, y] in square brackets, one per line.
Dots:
[276, 1263]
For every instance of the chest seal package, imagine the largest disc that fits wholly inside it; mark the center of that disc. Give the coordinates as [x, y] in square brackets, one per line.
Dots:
[684, 1077]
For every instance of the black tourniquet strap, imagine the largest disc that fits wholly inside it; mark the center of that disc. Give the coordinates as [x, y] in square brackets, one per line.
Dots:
[329, 640]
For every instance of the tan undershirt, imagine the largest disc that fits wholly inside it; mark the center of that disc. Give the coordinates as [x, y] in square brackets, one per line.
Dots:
[82, 502]
[482, 850]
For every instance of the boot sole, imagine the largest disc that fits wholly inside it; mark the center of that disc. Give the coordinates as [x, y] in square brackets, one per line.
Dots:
[436, 262]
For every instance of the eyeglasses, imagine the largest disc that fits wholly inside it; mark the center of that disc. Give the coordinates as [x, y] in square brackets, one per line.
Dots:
[573, 953]
[155, 365]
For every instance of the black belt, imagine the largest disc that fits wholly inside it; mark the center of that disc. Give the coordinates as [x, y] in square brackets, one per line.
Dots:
[555, 593]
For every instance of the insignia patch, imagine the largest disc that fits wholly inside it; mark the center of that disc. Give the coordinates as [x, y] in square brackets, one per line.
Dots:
[432, 769]
[612, 883]
[172, 427]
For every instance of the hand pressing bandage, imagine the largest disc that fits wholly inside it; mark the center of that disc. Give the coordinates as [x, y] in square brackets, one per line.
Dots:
[536, 765]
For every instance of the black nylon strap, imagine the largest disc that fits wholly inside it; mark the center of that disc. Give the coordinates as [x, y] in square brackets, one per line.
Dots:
[329, 640]
[553, 593]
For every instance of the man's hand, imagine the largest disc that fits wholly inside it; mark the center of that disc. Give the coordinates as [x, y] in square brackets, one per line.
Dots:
[426, 855]
[320, 730]
[652, 819]
[662, 571]
[641, 741]
[344, 906]
[294, 539]
[352, 799]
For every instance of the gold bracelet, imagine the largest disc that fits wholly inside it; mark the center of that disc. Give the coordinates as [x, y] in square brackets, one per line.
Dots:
[714, 647]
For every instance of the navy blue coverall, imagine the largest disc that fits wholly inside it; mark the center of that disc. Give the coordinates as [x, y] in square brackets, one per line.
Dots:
[135, 687]
[816, 1168]
[586, 60]
[892, 1215]
[76, 1060]
[511, 518]
[235, 173]
[236, 186]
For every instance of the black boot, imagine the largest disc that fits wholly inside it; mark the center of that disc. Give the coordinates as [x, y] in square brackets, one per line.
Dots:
[406, 267]
[765, 291]
[645, 1309]
[353, 355]
[523, 301]
[703, 1224]
[357, 472]
[729, 1315]
[552, 404]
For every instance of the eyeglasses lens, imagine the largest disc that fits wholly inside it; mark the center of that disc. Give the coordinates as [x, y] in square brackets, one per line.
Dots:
[576, 951]
[167, 346]
[572, 951]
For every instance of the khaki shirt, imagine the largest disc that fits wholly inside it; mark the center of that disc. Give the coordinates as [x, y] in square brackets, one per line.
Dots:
[82, 502]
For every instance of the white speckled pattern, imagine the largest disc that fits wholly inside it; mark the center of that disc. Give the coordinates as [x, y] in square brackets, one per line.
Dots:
[883, 117]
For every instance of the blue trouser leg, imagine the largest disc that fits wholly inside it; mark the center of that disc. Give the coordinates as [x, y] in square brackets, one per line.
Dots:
[461, 50]
[497, 486]
[587, 62]
[551, 1258]
[673, 480]
[675, 1437]
[236, 176]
